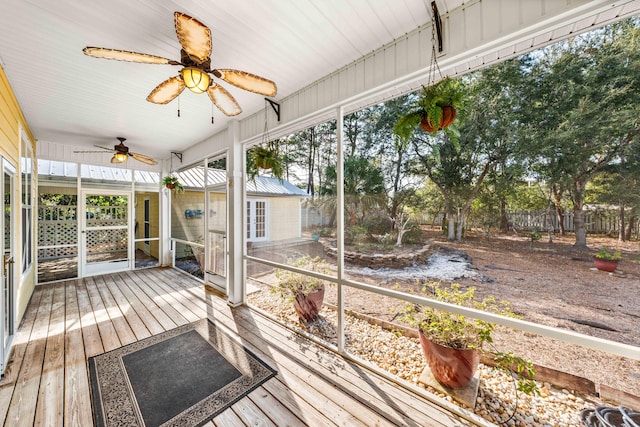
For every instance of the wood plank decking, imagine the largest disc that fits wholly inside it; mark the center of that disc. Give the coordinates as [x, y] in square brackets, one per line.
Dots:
[46, 380]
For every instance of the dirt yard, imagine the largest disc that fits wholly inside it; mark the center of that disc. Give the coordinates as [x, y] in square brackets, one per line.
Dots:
[556, 285]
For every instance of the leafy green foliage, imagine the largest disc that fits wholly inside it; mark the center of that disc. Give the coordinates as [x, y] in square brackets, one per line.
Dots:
[291, 283]
[429, 104]
[457, 331]
[173, 182]
[608, 254]
[265, 158]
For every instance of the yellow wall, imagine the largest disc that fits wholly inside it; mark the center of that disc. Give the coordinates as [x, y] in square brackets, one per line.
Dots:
[11, 119]
[154, 220]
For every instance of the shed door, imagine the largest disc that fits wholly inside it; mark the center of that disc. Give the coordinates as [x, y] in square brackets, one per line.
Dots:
[256, 220]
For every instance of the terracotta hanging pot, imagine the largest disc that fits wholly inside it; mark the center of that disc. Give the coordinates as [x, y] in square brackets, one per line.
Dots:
[452, 367]
[308, 306]
[446, 119]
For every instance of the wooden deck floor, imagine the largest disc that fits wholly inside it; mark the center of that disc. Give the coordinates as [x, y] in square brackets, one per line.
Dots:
[46, 380]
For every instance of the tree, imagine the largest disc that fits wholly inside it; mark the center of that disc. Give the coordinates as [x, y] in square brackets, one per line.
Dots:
[363, 187]
[488, 138]
[583, 109]
[613, 185]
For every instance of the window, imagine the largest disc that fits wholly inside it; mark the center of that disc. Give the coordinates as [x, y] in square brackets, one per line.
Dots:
[26, 171]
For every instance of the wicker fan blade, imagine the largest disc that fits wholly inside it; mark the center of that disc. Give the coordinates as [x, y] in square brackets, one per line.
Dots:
[104, 148]
[194, 36]
[124, 55]
[247, 81]
[144, 159]
[166, 91]
[223, 100]
[91, 151]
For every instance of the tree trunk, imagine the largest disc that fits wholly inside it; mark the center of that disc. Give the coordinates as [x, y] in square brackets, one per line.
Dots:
[395, 203]
[401, 226]
[578, 215]
[557, 202]
[621, 224]
[311, 164]
[504, 221]
[629, 228]
[460, 226]
[581, 230]
[451, 227]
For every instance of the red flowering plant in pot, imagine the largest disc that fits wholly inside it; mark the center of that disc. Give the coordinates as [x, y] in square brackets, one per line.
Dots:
[304, 291]
[452, 343]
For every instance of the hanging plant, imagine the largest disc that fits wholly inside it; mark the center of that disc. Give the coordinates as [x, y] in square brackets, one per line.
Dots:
[435, 109]
[172, 183]
[266, 158]
[437, 106]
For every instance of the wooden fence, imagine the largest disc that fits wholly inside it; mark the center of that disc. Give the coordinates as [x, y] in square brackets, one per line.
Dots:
[597, 221]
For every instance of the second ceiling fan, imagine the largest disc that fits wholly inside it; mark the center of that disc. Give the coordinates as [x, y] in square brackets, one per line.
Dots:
[195, 58]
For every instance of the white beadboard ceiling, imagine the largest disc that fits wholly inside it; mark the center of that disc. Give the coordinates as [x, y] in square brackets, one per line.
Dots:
[69, 98]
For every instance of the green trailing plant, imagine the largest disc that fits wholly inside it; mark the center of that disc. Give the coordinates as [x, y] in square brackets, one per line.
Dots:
[172, 183]
[429, 106]
[265, 158]
[607, 254]
[291, 284]
[457, 331]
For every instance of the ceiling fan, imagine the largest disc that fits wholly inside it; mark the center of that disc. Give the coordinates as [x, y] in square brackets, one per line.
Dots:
[195, 58]
[121, 153]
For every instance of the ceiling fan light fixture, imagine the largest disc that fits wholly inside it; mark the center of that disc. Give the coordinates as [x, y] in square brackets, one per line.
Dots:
[119, 158]
[195, 79]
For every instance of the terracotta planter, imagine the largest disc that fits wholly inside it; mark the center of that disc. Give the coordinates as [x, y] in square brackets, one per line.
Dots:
[308, 306]
[452, 367]
[446, 119]
[609, 265]
[171, 186]
[265, 164]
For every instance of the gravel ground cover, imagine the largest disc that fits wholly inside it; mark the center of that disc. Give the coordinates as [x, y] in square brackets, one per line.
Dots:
[401, 356]
[549, 283]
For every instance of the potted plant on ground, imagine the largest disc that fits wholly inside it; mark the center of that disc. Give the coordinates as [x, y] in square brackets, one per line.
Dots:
[606, 259]
[264, 158]
[172, 183]
[306, 292]
[435, 109]
[452, 344]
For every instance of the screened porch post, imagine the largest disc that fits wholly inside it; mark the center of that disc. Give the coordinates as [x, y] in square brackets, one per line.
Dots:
[165, 219]
[235, 240]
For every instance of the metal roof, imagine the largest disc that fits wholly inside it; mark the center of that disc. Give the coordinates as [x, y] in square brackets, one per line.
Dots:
[58, 169]
[193, 178]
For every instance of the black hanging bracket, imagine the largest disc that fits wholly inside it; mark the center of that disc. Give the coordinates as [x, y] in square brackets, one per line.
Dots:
[438, 22]
[178, 155]
[275, 106]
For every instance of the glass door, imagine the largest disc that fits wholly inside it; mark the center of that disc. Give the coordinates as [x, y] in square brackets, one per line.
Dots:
[7, 297]
[105, 232]
[256, 220]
